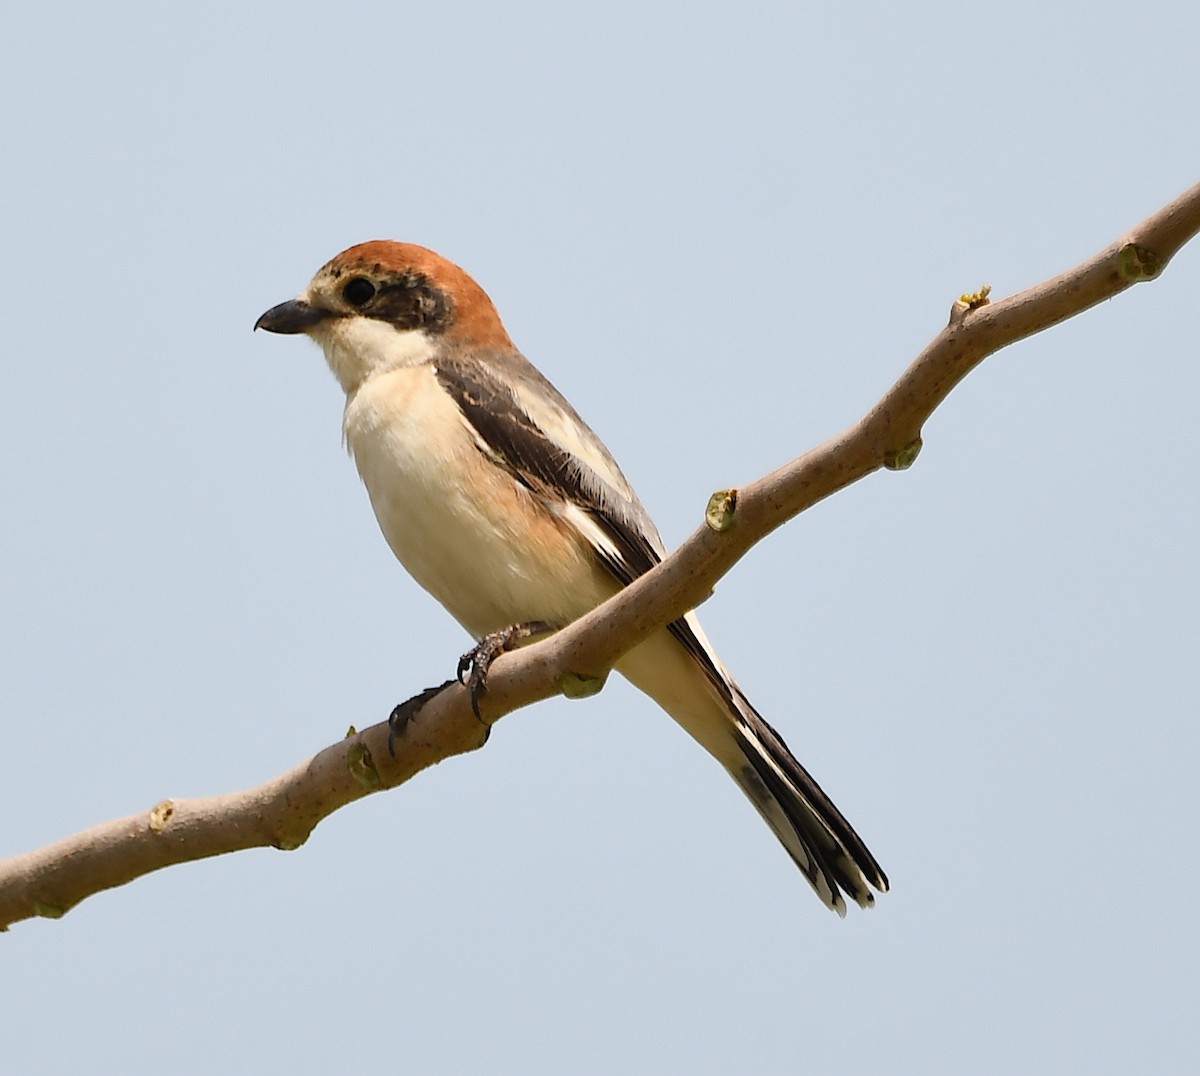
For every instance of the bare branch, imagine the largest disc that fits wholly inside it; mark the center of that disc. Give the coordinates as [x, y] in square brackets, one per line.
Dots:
[284, 811]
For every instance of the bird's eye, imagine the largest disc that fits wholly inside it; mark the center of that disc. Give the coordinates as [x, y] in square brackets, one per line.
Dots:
[359, 291]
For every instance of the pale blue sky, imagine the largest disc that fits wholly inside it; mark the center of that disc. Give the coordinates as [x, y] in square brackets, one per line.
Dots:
[722, 234]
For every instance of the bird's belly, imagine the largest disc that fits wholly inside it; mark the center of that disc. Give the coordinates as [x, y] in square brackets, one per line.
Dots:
[463, 527]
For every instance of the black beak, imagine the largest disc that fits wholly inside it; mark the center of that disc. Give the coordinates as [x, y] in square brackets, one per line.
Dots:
[294, 316]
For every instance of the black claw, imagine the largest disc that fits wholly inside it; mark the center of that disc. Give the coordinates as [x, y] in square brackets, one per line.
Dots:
[477, 682]
[479, 659]
[400, 717]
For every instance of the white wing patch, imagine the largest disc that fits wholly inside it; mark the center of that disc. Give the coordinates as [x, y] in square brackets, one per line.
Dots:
[595, 535]
[578, 442]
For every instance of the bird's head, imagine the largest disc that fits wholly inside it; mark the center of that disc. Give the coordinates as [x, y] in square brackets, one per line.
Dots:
[381, 305]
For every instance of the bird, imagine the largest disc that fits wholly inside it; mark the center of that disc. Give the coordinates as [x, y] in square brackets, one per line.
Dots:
[503, 505]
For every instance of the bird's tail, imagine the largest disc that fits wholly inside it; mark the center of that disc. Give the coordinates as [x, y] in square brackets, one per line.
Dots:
[690, 683]
[815, 833]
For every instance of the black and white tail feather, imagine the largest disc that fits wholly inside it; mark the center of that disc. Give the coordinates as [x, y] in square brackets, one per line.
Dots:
[816, 835]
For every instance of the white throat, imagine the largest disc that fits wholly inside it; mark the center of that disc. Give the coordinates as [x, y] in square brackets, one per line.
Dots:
[359, 348]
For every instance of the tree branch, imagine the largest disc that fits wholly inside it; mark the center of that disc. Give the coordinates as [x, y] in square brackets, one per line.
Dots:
[284, 811]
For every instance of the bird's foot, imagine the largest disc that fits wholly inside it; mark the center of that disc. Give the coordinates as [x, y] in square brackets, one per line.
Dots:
[400, 717]
[479, 659]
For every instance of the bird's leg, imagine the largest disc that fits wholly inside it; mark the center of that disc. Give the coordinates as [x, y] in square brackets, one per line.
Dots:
[407, 710]
[479, 659]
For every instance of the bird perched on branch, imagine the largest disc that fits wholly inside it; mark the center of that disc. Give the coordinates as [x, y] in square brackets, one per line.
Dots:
[502, 503]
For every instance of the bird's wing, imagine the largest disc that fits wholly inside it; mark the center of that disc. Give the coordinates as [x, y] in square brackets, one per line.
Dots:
[523, 423]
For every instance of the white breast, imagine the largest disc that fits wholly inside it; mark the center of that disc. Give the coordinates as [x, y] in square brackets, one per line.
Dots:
[465, 529]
